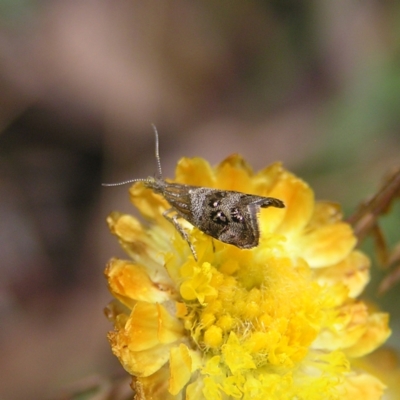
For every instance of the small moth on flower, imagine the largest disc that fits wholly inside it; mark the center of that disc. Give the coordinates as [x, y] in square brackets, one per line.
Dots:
[226, 215]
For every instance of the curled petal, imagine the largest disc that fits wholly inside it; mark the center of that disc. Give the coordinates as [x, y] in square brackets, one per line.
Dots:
[353, 272]
[150, 204]
[346, 329]
[194, 391]
[375, 334]
[129, 283]
[326, 245]
[361, 385]
[150, 325]
[154, 386]
[139, 363]
[384, 364]
[355, 330]
[125, 227]
[183, 362]
[118, 313]
[138, 242]
[325, 213]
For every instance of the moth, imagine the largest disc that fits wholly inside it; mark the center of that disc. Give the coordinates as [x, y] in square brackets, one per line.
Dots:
[225, 215]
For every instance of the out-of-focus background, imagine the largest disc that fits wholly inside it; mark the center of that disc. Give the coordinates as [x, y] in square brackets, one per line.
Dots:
[315, 84]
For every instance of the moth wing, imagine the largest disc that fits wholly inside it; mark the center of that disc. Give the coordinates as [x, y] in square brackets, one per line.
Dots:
[265, 202]
[245, 234]
[249, 234]
[252, 224]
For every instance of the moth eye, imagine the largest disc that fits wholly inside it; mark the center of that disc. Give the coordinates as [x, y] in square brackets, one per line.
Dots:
[219, 217]
[236, 216]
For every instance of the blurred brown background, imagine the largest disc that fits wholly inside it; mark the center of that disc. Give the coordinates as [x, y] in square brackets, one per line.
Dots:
[315, 84]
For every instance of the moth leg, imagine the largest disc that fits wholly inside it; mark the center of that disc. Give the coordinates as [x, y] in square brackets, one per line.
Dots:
[180, 229]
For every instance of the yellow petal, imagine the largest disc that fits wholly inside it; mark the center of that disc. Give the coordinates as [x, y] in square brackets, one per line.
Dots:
[361, 386]
[299, 204]
[194, 391]
[154, 386]
[267, 178]
[139, 363]
[139, 243]
[375, 334]
[195, 171]
[346, 329]
[150, 325]
[325, 213]
[211, 389]
[199, 285]
[129, 282]
[125, 227]
[383, 364]
[326, 245]
[232, 386]
[353, 272]
[183, 362]
[150, 204]
[235, 174]
[117, 313]
[212, 366]
[236, 357]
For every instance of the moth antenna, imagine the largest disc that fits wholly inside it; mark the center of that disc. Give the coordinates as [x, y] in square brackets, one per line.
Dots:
[125, 182]
[157, 152]
[145, 179]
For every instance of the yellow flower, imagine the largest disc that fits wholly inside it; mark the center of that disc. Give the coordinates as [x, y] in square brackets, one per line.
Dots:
[279, 321]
